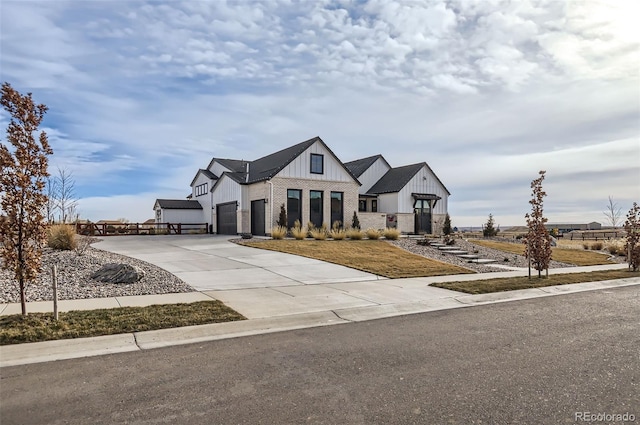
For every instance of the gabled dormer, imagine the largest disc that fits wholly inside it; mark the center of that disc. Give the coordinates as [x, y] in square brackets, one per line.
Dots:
[202, 183]
[368, 171]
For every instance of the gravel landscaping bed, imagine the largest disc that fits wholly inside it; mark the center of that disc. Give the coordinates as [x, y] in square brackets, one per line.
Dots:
[483, 252]
[74, 281]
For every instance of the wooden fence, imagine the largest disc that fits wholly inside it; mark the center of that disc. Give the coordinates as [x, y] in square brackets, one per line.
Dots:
[107, 229]
[583, 236]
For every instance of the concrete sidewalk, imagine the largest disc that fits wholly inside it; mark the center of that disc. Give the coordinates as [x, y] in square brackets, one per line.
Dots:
[407, 296]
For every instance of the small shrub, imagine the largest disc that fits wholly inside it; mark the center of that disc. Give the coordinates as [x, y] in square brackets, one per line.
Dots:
[597, 246]
[338, 234]
[278, 232]
[613, 249]
[355, 234]
[62, 236]
[318, 234]
[373, 234]
[111, 229]
[82, 244]
[355, 222]
[282, 218]
[391, 233]
[585, 245]
[152, 231]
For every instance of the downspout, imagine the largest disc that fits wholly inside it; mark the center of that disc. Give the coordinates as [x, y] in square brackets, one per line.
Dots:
[271, 204]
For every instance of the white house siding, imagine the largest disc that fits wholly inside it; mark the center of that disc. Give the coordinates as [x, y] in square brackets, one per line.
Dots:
[204, 199]
[388, 203]
[423, 182]
[349, 189]
[182, 216]
[300, 168]
[372, 175]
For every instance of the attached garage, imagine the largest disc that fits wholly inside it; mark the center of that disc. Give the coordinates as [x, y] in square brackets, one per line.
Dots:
[227, 219]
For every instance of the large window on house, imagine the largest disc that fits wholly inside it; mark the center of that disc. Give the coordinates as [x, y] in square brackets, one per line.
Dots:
[362, 205]
[294, 206]
[374, 205]
[336, 208]
[317, 163]
[202, 189]
[315, 207]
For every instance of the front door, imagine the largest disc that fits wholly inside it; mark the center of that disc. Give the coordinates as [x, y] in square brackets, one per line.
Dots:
[257, 217]
[422, 213]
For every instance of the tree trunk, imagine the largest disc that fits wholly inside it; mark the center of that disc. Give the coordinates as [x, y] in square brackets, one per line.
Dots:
[23, 297]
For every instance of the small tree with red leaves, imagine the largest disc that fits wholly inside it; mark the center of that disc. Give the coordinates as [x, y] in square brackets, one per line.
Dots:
[632, 245]
[537, 240]
[23, 172]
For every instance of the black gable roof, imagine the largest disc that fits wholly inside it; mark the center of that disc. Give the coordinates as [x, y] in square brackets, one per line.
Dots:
[359, 166]
[178, 204]
[396, 178]
[235, 165]
[268, 166]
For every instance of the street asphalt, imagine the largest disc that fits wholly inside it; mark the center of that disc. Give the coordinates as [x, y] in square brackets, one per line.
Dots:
[535, 361]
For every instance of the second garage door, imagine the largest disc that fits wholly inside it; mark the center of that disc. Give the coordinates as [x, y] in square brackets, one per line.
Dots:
[227, 221]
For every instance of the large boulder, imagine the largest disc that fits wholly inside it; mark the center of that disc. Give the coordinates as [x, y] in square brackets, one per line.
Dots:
[118, 273]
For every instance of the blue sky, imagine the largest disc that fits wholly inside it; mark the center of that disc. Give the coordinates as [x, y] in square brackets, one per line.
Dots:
[143, 93]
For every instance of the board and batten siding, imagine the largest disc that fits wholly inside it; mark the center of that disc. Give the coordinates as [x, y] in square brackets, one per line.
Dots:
[205, 198]
[300, 167]
[372, 175]
[227, 190]
[388, 203]
[423, 182]
[183, 216]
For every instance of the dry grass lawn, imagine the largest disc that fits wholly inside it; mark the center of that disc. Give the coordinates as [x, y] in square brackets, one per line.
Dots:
[523, 282]
[34, 327]
[564, 255]
[377, 257]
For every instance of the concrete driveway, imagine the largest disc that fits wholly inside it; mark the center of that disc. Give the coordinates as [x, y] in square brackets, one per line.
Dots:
[259, 283]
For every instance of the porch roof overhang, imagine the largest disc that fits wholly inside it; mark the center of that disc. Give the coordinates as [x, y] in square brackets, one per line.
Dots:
[426, 197]
[367, 195]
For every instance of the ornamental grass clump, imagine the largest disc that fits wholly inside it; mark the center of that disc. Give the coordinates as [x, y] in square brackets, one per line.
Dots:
[373, 234]
[355, 234]
[338, 234]
[62, 237]
[391, 233]
[318, 233]
[298, 232]
[278, 232]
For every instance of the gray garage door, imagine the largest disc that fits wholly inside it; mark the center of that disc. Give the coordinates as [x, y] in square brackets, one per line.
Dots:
[227, 221]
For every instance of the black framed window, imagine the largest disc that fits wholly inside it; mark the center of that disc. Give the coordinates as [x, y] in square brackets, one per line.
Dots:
[315, 207]
[337, 208]
[294, 206]
[202, 189]
[374, 205]
[317, 163]
[362, 205]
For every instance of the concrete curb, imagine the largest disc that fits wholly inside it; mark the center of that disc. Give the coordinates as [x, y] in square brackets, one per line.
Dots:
[19, 354]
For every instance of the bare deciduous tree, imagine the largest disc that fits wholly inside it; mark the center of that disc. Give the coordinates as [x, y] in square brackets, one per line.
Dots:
[51, 189]
[613, 213]
[632, 245]
[538, 240]
[23, 170]
[66, 200]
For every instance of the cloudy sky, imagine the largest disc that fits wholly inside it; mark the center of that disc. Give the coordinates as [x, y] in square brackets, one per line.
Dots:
[143, 93]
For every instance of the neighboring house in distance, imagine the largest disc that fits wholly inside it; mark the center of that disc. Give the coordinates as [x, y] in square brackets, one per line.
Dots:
[237, 196]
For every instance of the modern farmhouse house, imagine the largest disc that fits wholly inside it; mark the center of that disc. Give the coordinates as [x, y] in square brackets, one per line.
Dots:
[234, 196]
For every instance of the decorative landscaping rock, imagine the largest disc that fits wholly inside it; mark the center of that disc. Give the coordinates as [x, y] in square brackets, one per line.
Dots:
[118, 273]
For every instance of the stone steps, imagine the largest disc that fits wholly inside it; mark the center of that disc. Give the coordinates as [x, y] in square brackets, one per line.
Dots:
[459, 252]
